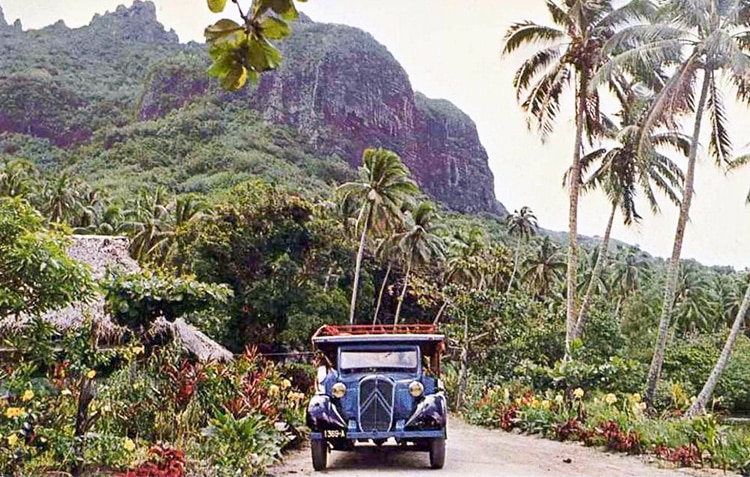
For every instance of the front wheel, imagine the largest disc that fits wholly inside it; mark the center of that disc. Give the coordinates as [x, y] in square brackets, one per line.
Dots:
[319, 454]
[437, 453]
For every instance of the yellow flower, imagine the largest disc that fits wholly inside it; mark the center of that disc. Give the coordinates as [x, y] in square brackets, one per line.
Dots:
[12, 440]
[296, 396]
[642, 406]
[286, 384]
[91, 374]
[559, 399]
[129, 445]
[28, 395]
[13, 412]
[610, 398]
[636, 397]
[535, 403]
[578, 393]
[273, 390]
[546, 404]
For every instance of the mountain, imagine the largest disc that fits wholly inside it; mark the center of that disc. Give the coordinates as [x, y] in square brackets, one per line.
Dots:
[97, 88]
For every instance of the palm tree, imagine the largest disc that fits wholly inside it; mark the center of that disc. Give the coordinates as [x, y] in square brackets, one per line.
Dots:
[148, 217]
[418, 244]
[464, 254]
[628, 271]
[17, 177]
[707, 41]
[570, 54]
[182, 211]
[699, 405]
[523, 225]
[544, 268]
[624, 172]
[60, 197]
[383, 187]
[693, 299]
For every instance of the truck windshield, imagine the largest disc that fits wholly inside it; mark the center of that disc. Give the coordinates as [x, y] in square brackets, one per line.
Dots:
[378, 360]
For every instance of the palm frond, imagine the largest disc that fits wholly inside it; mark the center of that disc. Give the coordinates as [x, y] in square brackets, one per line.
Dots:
[559, 15]
[675, 97]
[528, 32]
[720, 145]
[633, 11]
[543, 101]
[530, 68]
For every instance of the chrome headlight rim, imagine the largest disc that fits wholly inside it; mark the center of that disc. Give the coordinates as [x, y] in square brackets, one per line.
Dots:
[416, 389]
[338, 390]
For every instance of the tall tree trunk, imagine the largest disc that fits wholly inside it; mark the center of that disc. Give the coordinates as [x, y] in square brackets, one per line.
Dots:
[82, 424]
[358, 266]
[515, 265]
[403, 293]
[328, 279]
[575, 185]
[380, 294]
[699, 406]
[601, 259]
[654, 372]
[463, 371]
[440, 312]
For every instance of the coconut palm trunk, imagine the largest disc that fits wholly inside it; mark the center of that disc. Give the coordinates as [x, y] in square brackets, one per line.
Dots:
[380, 294]
[654, 372]
[575, 185]
[699, 406]
[601, 259]
[357, 269]
[403, 293]
[515, 265]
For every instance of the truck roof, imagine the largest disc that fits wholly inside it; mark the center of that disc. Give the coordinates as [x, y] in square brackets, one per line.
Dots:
[329, 336]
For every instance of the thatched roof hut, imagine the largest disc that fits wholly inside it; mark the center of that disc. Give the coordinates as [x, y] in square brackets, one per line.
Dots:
[110, 253]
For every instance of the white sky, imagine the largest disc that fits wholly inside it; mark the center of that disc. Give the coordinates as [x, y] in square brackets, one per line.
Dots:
[451, 50]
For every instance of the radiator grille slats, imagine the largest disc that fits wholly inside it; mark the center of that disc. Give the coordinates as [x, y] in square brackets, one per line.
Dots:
[376, 404]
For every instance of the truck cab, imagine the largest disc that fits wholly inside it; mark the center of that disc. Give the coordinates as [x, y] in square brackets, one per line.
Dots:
[382, 384]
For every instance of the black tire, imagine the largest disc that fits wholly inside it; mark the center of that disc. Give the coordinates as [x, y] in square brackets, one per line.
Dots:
[319, 450]
[437, 453]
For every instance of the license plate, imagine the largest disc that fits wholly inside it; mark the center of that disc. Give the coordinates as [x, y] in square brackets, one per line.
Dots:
[334, 434]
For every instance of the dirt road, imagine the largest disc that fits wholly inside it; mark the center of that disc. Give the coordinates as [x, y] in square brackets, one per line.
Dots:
[474, 451]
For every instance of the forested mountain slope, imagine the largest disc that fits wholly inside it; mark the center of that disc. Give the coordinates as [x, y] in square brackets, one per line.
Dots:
[107, 97]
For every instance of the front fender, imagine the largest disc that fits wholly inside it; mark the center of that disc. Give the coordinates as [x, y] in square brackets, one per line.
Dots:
[431, 413]
[322, 414]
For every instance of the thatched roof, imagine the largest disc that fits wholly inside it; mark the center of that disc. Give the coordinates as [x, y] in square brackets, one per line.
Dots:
[110, 253]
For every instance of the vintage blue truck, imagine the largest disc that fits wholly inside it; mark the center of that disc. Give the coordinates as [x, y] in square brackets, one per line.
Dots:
[380, 382]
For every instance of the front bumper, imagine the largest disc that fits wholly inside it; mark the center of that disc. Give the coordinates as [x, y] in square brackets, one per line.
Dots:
[400, 435]
[428, 421]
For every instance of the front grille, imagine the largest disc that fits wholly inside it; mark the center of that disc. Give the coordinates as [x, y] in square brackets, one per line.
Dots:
[376, 404]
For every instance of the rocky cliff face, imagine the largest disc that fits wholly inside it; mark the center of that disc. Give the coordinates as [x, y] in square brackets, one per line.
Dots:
[346, 92]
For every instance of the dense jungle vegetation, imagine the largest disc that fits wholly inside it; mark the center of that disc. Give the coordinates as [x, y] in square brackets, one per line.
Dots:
[247, 234]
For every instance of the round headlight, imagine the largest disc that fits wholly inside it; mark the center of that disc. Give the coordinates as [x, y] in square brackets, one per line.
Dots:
[416, 389]
[339, 389]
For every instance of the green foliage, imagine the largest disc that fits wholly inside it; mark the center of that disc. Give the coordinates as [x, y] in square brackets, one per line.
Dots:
[136, 300]
[242, 52]
[246, 445]
[36, 273]
[280, 254]
[616, 421]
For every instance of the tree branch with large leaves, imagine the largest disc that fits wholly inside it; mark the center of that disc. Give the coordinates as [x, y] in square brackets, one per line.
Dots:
[243, 51]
